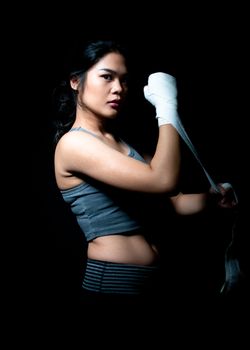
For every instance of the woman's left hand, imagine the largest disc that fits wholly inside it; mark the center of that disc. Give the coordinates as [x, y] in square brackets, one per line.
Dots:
[225, 196]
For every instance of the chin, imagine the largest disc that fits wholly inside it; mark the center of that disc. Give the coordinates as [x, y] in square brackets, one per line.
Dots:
[112, 115]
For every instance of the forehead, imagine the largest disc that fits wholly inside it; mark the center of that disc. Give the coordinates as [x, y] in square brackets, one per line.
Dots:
[114, 61]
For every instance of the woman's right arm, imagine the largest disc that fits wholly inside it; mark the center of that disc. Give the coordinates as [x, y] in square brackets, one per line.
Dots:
[81, 153]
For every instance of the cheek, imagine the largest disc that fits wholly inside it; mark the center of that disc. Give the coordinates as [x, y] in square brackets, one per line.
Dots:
[94, 95]
[95, 90]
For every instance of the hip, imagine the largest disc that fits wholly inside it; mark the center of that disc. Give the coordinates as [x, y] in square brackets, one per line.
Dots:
[133, 249]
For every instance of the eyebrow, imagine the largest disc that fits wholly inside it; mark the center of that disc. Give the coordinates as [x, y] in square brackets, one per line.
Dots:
[108, 70]
[111, 71]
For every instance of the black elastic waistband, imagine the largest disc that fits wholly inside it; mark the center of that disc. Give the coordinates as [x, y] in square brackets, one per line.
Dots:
[113, 278]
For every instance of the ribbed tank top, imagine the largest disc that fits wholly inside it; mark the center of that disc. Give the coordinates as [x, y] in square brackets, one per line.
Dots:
[101, 209]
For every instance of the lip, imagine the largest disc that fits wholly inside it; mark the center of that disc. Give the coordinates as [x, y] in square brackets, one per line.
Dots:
[115, 103]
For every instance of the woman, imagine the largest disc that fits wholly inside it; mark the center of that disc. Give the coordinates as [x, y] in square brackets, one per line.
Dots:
[104, 179]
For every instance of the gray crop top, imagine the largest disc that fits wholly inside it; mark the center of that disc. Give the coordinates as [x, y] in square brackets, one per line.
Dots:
[101, 209]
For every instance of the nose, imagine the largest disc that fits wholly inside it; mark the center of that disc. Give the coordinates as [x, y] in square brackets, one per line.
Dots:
[117, 86]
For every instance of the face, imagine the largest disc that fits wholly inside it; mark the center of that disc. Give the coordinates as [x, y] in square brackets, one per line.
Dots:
[106, 86]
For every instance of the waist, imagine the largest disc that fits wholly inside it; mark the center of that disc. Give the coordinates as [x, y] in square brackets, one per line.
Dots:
[133, 249]
[117, 278]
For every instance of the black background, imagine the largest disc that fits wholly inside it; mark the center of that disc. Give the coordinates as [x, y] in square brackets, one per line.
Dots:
[208, 54]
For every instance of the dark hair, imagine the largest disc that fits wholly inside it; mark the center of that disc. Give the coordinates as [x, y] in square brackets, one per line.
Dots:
[64, 97]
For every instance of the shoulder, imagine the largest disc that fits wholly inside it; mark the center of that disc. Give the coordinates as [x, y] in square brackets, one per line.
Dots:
[75, 141]
[76, 152]
[80, 151]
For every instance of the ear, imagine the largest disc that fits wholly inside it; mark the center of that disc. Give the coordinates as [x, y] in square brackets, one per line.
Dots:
[74, 83]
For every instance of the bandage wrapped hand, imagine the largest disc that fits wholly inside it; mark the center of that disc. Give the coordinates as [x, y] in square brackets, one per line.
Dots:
[161, 92]
[226, 196]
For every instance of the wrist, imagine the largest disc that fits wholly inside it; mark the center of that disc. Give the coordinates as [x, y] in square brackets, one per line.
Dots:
[167, 116]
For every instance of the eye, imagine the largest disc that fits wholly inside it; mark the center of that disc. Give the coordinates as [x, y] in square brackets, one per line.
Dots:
[107, 77]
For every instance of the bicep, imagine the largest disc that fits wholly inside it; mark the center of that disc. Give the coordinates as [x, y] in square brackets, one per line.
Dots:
[91, 157]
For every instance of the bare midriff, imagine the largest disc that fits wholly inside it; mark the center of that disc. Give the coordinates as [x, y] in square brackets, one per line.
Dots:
[133, 249]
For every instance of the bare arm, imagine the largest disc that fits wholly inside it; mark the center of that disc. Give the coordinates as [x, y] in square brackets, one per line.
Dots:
[188, 204]
[79, 153]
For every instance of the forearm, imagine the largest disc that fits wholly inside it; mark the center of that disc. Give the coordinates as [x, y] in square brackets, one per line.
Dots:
[166, 160]
[161, 92]
[190, 204]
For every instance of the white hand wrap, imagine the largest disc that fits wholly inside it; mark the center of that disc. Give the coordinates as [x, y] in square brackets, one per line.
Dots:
[161, 92]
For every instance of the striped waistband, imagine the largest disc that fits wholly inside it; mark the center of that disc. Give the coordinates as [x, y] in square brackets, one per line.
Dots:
[116, 278]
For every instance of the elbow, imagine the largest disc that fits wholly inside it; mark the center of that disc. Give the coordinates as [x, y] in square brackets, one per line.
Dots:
[171, 187]
[168, 185]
